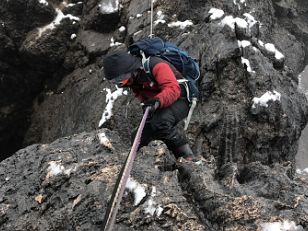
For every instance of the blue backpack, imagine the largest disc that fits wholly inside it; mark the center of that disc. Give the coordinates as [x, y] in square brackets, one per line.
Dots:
[185, 64]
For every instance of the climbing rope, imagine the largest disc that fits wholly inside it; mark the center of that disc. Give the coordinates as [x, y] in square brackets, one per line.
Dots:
[151, 27]
[118, 191]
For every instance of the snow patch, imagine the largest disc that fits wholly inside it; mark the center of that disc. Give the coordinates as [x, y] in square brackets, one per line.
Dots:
[122, 29]
[180, 24]
[241, 2]
[110, 99]
[247, 63]
[73, 36]
[103, 140]
[55, 168]
[109, 7]
[216, 13]
[244, 43]
[265, 98]
[261, 43]
[241, 23]
[281, 226]
[272, 49]
[303, 172]
[160, 18]
[137, 189]
[230, 21]
[43, 2]
[250, 20]
[151, 206]
[56, 21]
[113, 43]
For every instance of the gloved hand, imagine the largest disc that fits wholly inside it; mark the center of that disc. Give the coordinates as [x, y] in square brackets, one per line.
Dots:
[152, 103]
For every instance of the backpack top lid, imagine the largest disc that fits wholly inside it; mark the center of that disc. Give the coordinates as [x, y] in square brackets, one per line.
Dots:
[150, 46]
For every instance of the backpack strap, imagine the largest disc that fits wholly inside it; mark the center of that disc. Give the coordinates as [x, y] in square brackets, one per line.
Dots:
[145, 62]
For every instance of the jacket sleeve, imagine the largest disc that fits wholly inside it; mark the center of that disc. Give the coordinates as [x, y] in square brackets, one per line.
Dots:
[170, 90]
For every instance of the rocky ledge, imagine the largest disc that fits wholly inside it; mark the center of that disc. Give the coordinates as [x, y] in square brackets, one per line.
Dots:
[66, 185]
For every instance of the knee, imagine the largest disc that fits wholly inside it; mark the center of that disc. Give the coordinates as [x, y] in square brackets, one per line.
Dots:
[161, 126]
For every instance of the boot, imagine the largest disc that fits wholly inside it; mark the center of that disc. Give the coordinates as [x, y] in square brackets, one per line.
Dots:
[185, 152]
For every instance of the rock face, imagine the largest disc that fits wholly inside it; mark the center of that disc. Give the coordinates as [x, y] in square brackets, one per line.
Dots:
[66, 185]
[246, 125]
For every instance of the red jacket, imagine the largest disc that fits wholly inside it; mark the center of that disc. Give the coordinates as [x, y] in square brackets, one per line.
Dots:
[165, 88]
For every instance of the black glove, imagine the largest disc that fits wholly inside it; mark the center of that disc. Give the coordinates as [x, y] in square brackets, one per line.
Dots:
[152, 103]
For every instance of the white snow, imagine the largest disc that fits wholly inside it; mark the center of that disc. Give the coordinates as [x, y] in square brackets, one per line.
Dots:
[243, 2]
[113, 43]
[304, 171]
[136, 188]
[103, 140]
[246, 61]
[43, 2]
[265, 98]
[180, 24]
[271, 48]
[261, 43]
[122, 29]
[281, 226]
[55, 169]
[56, 21]
[73, 36]
[109, 7]
[244, 43]
[138, 32]
[160, 18]
[241, 23]
[230, 21]
[162, 21]
[151, 206]
[216, 13]
[160, 14]
[110, 99]
[72, 4]
[250, 19]
[246, 22]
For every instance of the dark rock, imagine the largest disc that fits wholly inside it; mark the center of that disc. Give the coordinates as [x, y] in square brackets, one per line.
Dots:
[95, 43]
[101, 16]
[247, 176]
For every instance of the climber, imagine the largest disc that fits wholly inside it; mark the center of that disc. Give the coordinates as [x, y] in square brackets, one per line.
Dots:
[165, 97]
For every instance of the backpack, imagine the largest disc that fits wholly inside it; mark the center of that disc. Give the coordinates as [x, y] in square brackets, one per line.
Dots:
[185, 64]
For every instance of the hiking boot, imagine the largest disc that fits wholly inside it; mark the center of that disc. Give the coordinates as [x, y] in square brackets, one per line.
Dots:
[185, 152]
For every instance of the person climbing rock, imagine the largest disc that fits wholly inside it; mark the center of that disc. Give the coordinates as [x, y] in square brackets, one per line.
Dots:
[162, 93]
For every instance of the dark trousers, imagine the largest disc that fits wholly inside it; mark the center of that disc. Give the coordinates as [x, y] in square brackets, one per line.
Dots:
[162, 126]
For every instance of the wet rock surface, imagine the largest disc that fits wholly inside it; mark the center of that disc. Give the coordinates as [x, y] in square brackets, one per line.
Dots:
[246, 125]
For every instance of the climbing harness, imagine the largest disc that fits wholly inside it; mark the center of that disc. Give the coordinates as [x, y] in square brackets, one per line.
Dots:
[118, 191]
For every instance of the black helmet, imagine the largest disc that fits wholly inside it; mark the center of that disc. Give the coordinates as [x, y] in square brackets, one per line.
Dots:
[119, 63]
